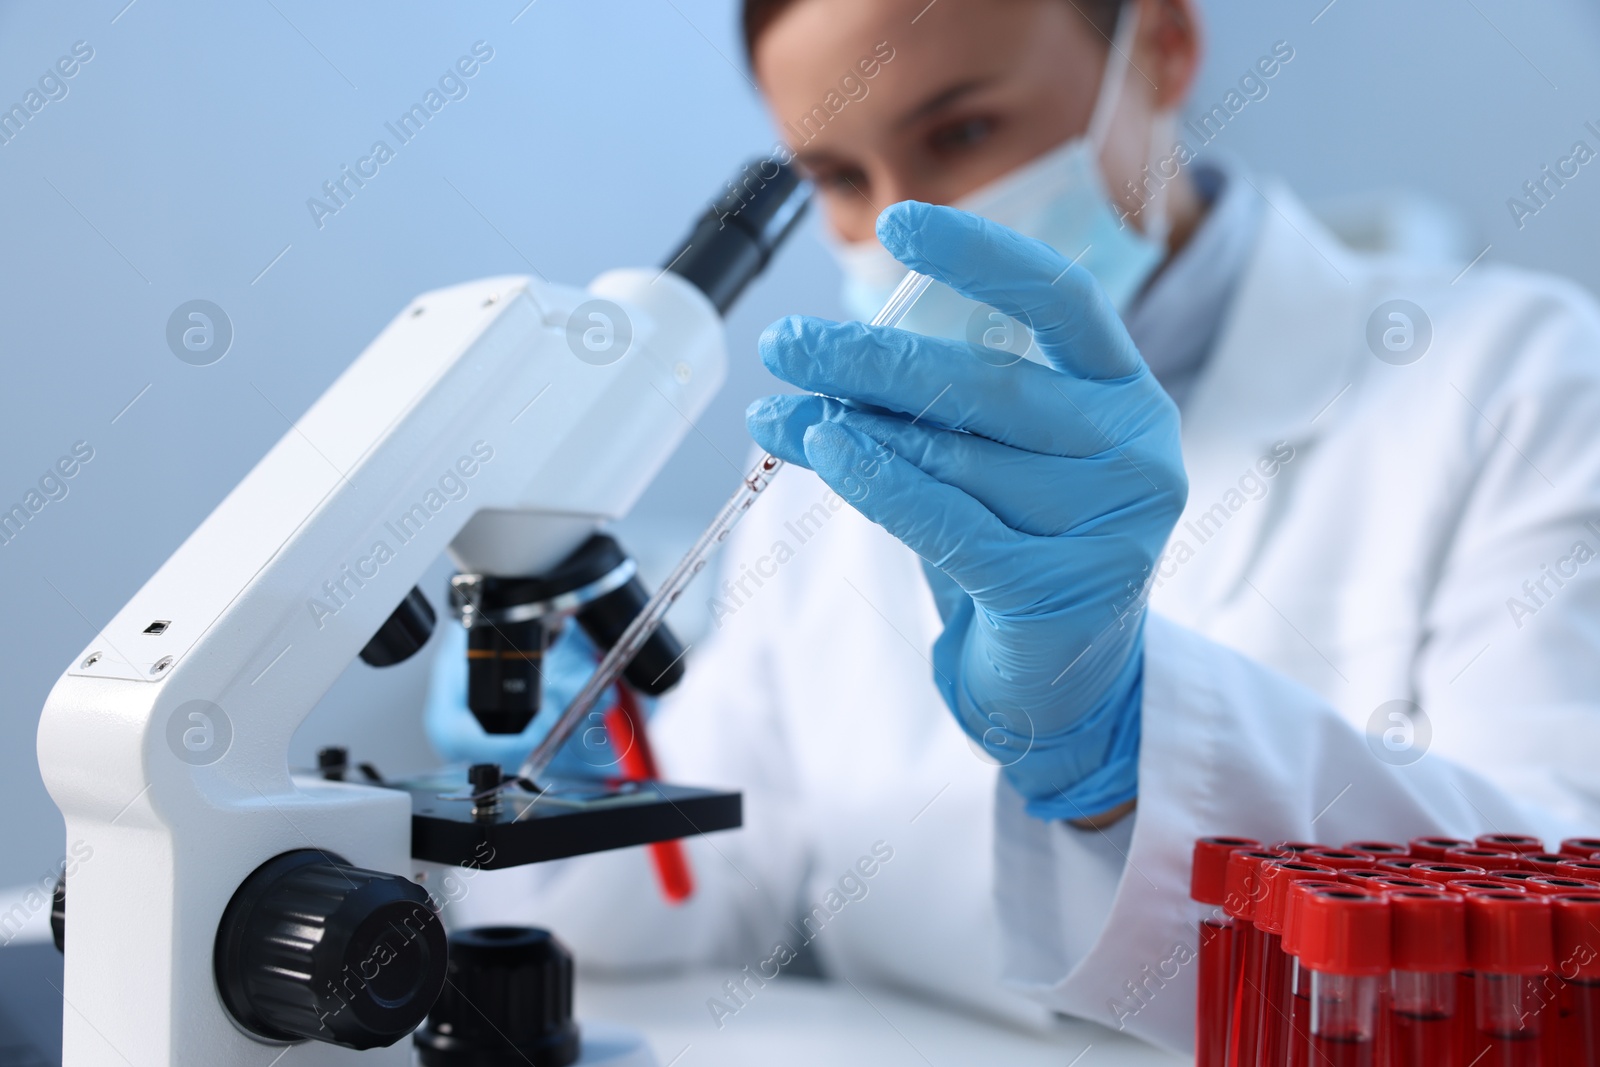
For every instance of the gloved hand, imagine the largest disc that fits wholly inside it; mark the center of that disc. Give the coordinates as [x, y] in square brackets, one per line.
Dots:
[458, 738]
[1038, 497]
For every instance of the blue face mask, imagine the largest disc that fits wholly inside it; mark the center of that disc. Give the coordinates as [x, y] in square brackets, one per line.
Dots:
[1059, 198]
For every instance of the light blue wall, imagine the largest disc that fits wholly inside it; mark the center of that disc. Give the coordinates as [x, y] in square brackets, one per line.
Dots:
[1464, 100]
[179, 164]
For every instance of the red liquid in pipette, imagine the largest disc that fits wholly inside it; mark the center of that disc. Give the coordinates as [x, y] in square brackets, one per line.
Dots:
[625, 727]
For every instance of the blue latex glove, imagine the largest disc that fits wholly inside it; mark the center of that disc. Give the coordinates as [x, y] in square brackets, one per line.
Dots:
[458, 738]
[1039, 497]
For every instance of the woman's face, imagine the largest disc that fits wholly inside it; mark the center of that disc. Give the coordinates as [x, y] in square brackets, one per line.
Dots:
[889, 100]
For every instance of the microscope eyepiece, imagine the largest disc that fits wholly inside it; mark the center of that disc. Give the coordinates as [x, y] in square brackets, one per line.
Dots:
[732, 242]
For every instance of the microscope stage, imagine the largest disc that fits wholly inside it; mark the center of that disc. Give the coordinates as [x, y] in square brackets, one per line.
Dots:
[566, 818]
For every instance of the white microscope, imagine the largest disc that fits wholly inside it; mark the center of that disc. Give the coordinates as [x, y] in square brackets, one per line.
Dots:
[231, 913]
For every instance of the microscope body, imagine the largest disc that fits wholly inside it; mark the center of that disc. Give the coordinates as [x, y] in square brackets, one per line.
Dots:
[488, 420]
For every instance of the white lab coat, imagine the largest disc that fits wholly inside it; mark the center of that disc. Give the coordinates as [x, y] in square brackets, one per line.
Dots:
[1374, 565]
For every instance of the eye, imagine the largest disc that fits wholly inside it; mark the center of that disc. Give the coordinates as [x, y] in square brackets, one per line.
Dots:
[961, 136]
[849, 181]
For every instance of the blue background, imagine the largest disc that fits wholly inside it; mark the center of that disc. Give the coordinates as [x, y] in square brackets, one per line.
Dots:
[179, 164]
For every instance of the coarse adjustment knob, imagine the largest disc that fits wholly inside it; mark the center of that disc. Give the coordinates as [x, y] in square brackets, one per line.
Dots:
[403, 633]
[508, 1004]
[312, 948]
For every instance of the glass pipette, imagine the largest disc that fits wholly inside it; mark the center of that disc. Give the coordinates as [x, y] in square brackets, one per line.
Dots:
[694, 561]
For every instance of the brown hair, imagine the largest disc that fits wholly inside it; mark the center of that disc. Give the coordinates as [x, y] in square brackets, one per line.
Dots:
[758, 15]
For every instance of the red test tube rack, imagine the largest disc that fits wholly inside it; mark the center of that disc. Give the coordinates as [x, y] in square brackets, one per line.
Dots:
[1443, 952]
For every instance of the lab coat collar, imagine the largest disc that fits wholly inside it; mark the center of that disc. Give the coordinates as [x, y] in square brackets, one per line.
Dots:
[1177, 321]
[1284, 354]
[1281, 375]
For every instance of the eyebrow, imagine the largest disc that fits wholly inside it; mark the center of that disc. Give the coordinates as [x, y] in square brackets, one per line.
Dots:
[939, 101]
[931, 106]
[810, 161]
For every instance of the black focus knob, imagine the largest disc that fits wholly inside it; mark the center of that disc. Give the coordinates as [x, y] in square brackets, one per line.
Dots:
[332, 761]
[508, 1002]
[403, 633]
[312, 948]
[58, 914]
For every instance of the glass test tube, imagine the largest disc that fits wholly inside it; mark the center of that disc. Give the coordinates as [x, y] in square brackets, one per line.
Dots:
[1298, 1039]
[1208, 885]
[1277, 982]
[1576, 935]
[1344, 942]
[1243, 893]
[1428, 935]
[1510, 949]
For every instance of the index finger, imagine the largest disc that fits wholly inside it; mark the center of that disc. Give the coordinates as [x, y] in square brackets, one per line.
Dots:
[938, 381]
[1072, 320]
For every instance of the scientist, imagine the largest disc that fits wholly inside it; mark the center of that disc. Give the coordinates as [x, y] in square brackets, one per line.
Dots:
[1023, 635]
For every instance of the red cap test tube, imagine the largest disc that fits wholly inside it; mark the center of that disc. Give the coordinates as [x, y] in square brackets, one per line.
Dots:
[1576, 934]
[1364, 875]
[1490, 859]
[1344, 942]
[1299, 1036]
[1208, 884]
[1581, 847]
[1488, 883]
[1395, 881]
[1434, 848]
[1521, 878]
[1579, 868]
[1441, 952]
[1428, 951]
[1510, 949]
[1445, 872]
[1466, 984]
[1552, 884]
[1243, 891]
[1511, 842]
[1400, 865]
[1277, 975]
[1382, 849]
[1343, 859]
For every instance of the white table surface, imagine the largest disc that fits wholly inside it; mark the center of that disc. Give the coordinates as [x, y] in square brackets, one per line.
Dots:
[794, 1020]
